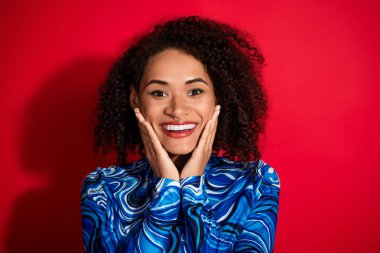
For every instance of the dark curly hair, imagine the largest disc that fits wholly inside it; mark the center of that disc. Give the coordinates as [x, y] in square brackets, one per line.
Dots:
[234, 65]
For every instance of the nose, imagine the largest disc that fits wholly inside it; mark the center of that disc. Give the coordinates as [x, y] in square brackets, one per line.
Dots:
[177, 107]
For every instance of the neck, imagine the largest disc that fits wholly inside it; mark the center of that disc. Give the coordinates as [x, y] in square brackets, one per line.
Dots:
[180, 160]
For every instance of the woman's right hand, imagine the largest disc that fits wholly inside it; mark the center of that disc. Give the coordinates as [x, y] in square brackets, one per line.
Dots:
[157, 156]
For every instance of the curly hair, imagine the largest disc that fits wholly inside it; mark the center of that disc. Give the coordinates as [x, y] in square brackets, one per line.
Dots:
[234, 64]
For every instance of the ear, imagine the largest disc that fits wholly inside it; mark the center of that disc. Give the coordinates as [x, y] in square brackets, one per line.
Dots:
[133, 97]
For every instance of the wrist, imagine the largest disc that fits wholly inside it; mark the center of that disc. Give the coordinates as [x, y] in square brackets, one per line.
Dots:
[172, 177]
[186, 175]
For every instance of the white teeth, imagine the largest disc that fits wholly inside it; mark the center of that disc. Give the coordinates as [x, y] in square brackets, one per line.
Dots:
[178, 127]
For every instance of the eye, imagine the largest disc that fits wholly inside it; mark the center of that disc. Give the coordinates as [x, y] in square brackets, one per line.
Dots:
[158, 93]
[195, 92]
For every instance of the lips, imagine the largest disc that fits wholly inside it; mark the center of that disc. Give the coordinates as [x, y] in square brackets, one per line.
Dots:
[176, 129]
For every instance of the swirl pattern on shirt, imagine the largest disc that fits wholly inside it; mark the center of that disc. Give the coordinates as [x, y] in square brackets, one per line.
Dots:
[232, 207]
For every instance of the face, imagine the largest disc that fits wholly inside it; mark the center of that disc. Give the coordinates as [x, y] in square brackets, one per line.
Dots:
[176, 96]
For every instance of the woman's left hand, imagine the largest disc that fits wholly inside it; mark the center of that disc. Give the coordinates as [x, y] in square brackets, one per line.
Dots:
[202, 152]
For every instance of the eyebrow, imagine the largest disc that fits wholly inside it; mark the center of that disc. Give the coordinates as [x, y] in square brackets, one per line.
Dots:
[166, 83]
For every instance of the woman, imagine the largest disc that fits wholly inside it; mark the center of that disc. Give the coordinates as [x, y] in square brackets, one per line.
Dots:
[181, 95]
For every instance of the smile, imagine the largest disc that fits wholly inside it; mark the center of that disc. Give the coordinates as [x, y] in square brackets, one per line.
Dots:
[178, 127]
[178, 130]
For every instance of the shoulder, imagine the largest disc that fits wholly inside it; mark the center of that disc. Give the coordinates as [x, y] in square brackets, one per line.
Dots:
[263, 172]
[219, 163]
[266, 173]
[221, 170]
[114, 175]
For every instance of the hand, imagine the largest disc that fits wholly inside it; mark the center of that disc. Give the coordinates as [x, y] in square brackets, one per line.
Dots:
[157, 156]
[201, 154]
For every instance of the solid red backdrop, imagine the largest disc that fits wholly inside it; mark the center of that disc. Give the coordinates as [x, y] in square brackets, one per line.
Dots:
[323, 127]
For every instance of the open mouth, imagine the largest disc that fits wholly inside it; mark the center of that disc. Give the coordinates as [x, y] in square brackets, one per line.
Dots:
[179, 130]
[184, 127]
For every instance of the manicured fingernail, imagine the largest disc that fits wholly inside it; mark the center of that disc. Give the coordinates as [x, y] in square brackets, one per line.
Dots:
[218, 107]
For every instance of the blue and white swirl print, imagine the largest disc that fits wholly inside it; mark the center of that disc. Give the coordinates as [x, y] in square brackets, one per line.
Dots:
[232, 207]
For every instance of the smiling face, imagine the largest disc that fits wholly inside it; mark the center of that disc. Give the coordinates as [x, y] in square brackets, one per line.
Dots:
[176, 96]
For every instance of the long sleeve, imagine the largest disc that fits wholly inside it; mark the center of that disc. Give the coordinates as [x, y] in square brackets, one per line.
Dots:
[259, 230]
[248, 221]
[203, 233]
[102, 228]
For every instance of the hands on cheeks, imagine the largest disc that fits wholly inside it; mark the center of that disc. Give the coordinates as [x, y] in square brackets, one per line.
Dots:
[157, 156]
[202, 152]
[159, 159]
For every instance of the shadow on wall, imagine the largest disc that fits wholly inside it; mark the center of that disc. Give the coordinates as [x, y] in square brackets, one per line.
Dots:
[57, 142]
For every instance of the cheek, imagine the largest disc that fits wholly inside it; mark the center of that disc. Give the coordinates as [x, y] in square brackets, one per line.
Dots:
[146, 108]
[151, 113]
[207, 109]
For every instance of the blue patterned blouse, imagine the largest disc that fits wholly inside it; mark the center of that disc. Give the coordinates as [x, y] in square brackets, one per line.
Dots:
[230, 208]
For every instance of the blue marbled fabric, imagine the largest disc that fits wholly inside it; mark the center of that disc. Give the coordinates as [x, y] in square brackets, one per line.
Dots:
[230, 208]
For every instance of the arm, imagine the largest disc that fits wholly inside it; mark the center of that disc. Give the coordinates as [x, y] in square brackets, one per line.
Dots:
[103, 231]
[203, 233]
[259, 230]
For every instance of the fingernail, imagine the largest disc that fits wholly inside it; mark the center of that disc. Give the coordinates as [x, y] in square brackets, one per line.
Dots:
[218, 107]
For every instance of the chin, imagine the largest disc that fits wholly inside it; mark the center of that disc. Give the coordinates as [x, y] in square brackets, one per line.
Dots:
[178, 150]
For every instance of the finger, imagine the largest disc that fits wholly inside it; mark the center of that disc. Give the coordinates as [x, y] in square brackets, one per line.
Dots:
[156, 144]
[152, 134]
[148, 138]
[215, 117]
[211, 136]
[149, 149]
[153, 142]
[144, 132]
[152, 152]
[203, 140]
[139, 115]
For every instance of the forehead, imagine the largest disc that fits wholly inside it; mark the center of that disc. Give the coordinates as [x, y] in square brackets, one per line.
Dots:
[173, 63]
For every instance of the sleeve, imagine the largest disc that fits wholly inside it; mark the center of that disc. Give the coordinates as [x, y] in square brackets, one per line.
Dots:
[203, 233]
[258, 234]
[102, 231]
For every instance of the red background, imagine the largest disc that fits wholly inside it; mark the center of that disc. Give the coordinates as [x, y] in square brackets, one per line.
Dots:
[322, 137]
